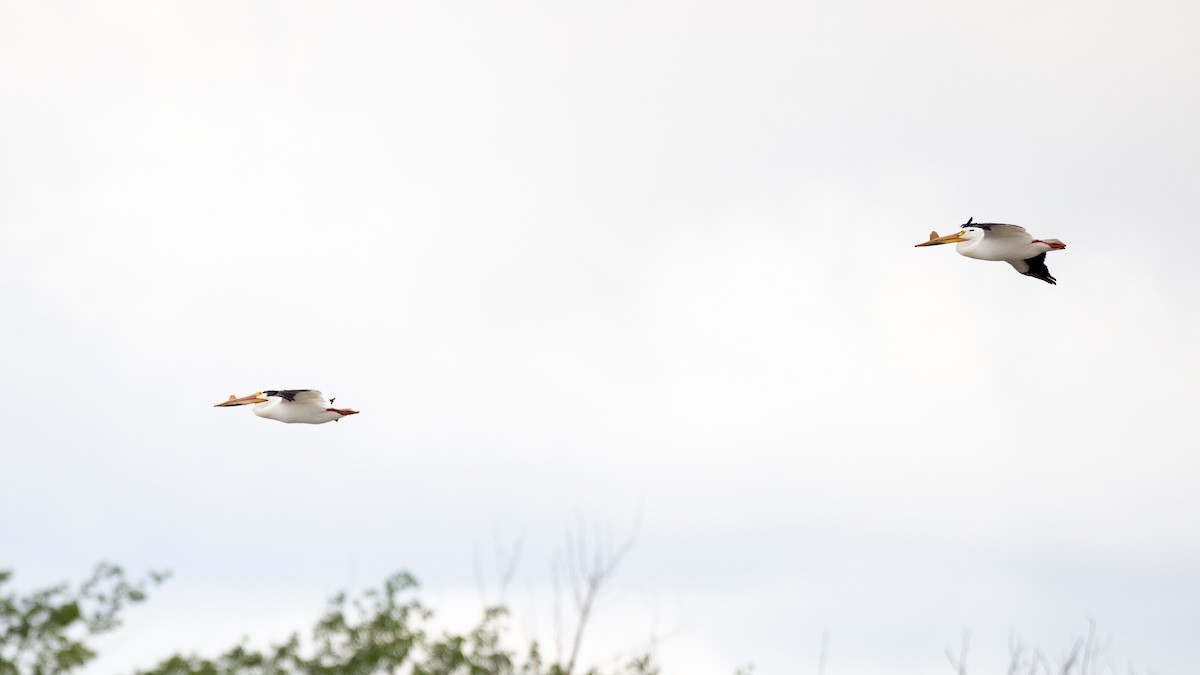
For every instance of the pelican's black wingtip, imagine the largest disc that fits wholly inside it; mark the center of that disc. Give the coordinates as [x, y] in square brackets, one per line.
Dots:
[1038, 269]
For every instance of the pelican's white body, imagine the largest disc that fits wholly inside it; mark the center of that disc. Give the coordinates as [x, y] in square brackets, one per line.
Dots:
[1010, 243]
[309, 407]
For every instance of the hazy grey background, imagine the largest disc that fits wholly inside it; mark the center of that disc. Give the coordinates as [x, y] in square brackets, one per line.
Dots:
[576, 257]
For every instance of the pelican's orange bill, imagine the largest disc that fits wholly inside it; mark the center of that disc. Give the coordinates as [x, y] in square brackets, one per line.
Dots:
[245, 400]
[934, 239]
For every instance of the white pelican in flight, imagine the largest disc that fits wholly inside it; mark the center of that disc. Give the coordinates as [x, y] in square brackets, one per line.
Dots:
[305, 406]
[1010, 243]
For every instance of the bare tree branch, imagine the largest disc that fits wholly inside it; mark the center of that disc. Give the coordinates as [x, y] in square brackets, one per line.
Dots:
[1088, 649]
[558, 613]
[959, 664]
[506, 566]
[1015, 651]
[824, 651]
[589, 567]
[1069, 662]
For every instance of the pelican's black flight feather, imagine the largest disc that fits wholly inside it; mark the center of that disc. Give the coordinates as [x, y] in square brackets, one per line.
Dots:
[987, 226]
[1038, 269]
[287, 394]
[971, 223]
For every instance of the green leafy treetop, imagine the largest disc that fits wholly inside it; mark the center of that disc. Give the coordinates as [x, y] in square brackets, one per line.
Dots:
[381, 632]
[47, 631]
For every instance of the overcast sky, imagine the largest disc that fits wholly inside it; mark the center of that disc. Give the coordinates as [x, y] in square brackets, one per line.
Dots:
[599, 260]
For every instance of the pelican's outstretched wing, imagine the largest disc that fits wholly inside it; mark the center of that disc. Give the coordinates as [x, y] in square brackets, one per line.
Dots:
[998, 230]
[309, 396]
[299, 395]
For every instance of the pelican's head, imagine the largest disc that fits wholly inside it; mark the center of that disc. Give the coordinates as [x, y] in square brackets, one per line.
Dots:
[245, 400]
[967, 233]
